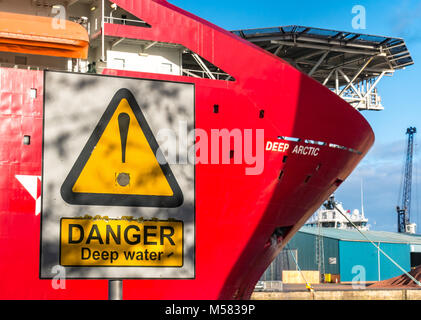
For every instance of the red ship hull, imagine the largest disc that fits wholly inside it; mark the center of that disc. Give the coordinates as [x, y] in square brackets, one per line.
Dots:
[236, 214]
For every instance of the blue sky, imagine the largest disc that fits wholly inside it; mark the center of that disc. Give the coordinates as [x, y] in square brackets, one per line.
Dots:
[381, 170]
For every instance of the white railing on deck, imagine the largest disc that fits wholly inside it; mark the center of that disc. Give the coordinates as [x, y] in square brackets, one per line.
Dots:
[202, 74]
[22, 66]
[128, 22]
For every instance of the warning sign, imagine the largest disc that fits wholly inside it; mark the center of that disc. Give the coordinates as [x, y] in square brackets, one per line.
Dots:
[121, 243]
[118, 198]
[118, 165]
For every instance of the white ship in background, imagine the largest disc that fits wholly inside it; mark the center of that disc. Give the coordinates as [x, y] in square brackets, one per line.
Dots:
[328, 216]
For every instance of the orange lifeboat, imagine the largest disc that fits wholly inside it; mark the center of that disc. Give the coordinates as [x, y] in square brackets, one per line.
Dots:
[42, 36]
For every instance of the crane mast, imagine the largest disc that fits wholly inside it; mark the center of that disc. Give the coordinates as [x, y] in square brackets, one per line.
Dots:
[404, 210]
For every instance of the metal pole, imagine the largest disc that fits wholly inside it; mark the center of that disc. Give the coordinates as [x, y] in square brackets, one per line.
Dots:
[115, 289]
[317, 65]
[203, 66]
[102, 31]
[378, 261]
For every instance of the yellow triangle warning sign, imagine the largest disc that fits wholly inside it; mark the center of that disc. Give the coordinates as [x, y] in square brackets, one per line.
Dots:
[118, 165]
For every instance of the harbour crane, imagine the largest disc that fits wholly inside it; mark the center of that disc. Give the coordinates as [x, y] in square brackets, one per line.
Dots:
[404, 210]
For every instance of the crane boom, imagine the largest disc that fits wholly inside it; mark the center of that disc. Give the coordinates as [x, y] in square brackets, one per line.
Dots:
[404, 210]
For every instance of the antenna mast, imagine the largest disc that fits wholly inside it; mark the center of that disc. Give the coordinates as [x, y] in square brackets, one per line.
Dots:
[362, 200]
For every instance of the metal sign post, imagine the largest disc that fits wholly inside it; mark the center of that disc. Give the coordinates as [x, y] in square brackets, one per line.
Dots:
[115, 289]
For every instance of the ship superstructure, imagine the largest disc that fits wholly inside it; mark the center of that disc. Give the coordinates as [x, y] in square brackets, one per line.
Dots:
[348, 63]
[328, 216]
[116, 48]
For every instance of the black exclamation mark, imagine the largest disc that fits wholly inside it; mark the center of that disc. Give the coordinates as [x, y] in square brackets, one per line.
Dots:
[123, 179]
